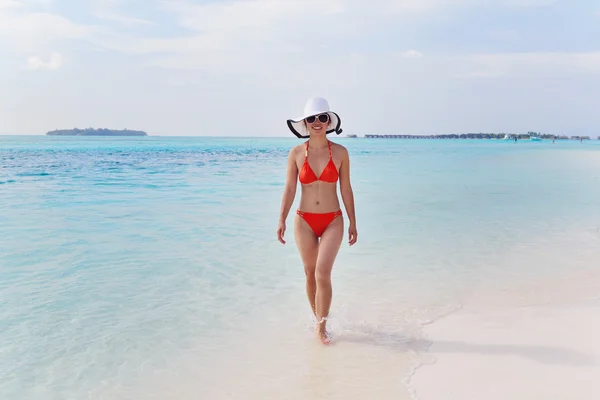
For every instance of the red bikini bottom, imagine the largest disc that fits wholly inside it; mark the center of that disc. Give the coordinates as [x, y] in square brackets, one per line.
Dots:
[319, 221]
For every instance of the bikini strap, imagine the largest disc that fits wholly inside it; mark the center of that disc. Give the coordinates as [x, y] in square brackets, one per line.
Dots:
[306, 151]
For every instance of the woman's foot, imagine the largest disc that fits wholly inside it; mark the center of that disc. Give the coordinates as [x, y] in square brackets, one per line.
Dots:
[321, 332]
[324, 337]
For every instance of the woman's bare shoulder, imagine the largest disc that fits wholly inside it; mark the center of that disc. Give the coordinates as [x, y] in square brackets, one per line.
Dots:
[340, 149]
[335, 145]
[297, 149]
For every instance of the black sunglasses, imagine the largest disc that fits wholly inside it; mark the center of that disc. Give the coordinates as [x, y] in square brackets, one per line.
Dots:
[323, 118]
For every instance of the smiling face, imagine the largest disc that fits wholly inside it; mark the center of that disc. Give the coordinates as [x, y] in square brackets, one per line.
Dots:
[318, 124]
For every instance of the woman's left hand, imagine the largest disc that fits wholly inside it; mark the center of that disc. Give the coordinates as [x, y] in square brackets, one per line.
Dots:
[352, 234]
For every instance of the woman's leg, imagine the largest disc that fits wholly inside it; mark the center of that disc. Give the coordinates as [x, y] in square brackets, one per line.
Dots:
[329, 246]
[308, 245]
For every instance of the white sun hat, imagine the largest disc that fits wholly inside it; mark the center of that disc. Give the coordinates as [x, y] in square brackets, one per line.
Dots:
[315, 106]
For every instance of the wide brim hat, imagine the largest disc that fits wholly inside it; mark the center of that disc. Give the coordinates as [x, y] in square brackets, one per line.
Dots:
[315, 106]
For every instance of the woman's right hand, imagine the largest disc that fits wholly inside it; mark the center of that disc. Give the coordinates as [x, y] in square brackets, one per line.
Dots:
[281, 231]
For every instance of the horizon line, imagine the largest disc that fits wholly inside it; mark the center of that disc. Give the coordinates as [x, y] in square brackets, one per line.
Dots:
[349, 136]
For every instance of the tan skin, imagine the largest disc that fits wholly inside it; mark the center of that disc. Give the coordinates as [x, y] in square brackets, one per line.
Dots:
[318, 255]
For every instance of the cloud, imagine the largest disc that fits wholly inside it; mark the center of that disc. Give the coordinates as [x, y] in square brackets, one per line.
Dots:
[528, 3]
[412, 54]
[26, 32]
[225, 36]
[5, 4]
[55, 61]
[110, 10]
[442, 5]
[539, 64]
[113, 16]
[223, 28]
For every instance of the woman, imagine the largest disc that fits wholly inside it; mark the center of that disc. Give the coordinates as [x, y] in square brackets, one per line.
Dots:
[318, 224]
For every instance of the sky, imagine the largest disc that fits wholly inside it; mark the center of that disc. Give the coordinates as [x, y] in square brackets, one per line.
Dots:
[242, 67]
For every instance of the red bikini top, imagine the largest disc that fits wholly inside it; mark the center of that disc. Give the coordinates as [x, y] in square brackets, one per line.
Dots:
[329, 173]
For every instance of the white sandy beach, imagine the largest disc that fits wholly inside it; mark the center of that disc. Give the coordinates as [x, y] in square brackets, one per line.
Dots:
[532, 352]
[531, 338]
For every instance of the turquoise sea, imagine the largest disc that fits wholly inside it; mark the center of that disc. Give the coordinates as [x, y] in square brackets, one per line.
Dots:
[149, 268]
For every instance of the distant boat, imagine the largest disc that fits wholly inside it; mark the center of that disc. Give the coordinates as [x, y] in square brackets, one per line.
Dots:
[507, 137]
[535, 139]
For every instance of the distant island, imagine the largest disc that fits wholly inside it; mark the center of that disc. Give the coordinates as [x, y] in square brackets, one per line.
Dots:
[95, 132]
[505, 136]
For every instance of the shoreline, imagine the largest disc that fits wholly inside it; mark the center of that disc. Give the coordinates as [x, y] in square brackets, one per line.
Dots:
[486, 347]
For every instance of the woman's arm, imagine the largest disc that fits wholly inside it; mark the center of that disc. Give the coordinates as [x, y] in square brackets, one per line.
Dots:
[348, 195]
[289, 193]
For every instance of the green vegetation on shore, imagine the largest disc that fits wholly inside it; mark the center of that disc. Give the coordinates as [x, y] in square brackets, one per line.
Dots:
[519, 136]
[95, 132]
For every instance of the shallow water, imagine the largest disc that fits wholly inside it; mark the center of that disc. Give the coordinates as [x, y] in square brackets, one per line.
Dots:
[140, 267]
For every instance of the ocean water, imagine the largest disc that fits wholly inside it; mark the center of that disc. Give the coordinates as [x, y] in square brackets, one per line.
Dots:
[148, 268]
